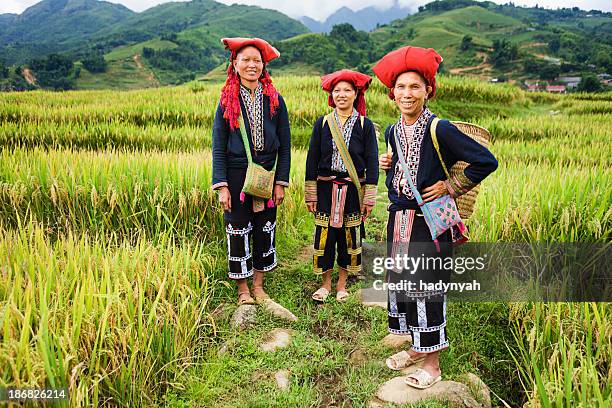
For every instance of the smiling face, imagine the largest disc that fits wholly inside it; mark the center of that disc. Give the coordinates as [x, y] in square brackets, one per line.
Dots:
[344, 95]
[249, 65]
[410, 94]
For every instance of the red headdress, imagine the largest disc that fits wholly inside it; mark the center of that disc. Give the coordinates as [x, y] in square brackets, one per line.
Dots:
[359, 80]
[230, 93]
[425, 61]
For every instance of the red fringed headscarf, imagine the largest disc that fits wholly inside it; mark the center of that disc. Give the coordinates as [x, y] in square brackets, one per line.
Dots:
[360, 81]
[425, 61]
[230, 93]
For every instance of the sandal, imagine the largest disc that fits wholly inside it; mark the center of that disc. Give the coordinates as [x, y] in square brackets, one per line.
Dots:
[342, 295]
[425, 380]
[245, 300]
[401, 360]
[321, 294]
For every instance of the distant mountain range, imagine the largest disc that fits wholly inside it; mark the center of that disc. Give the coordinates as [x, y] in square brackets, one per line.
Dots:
[366, 19]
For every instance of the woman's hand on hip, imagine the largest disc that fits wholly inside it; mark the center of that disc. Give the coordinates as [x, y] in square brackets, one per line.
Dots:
[279, 194]
[225, 198]
[436, 191]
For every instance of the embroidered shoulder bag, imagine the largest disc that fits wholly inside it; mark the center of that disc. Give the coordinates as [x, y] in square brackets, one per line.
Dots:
[258, 182]
[440, 214]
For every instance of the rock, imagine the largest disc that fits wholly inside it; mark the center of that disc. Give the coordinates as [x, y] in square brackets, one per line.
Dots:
[479, 389]
[244, 317]
[276, 339]
[282, 379]
[396, 341]
[370, 297]
[456, 394]
[357, 357]
[376, 403]
[278, 310]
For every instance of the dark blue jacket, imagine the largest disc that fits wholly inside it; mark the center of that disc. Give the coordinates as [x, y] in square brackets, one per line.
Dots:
[363, 149]
[228, 148]
[454, 146]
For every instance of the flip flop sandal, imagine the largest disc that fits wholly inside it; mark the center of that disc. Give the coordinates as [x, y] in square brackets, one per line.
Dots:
[401, 360]
[320, 295]
[342, 295]
[245, 300]
[425, 380]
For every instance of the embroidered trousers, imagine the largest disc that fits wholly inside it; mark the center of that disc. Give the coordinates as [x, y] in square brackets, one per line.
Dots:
[243, 225]
[415, 308]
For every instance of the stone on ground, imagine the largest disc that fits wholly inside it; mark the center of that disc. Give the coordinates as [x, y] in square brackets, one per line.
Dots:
[396, 341]
[396, 391]
[370, 297]
[276, 339]
[278, 310]
[282, 379]
[244, 317]
[357, 357]
[479, 389]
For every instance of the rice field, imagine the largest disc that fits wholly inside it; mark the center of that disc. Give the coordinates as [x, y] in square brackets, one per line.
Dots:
[112, 250]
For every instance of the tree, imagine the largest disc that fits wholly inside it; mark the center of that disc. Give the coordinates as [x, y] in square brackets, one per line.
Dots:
[554, 45]
[503, 52]
[466, 43]
[95, 63]
[4, 71]
[590, 83]
[549, 72]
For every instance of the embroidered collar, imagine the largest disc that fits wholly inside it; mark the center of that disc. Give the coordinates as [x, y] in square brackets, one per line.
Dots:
[411, 138]
[347, 131]
[254, 108]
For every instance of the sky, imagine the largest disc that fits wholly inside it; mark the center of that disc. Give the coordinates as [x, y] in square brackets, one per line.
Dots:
[321, 9]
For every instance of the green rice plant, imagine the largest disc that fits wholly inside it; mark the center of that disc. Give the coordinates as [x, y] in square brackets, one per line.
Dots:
[130, 194]
[103, 135]
[564, 353]
[114, 322]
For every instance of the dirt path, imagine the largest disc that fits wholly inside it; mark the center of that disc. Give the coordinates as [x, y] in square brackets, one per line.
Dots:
[138, 61]
[483, 66]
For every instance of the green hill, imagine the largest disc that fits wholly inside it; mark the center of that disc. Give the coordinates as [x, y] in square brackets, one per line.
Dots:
[181, 38]
[479, 38]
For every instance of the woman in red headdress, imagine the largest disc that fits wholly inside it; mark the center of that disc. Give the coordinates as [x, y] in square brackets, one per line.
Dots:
[248, 98]
[343, 155]
[410, 75]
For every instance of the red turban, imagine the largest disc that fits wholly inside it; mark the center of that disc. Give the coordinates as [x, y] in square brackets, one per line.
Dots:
[425, 61]
[230, 93]
[360, 82]
[268, 52]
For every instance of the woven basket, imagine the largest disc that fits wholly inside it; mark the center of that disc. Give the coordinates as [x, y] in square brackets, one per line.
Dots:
[466, 202]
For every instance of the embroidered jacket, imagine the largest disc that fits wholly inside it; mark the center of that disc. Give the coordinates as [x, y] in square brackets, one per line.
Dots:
[363, 148]
[454, 146]
[228, 148]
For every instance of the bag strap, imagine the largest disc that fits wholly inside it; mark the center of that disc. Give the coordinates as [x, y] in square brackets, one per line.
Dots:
[344, 153]
[402, 160]
[247, 146]
[434, 138]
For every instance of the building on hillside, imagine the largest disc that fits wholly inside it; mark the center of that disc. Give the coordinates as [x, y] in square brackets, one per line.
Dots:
[556, 89]
[569, 82]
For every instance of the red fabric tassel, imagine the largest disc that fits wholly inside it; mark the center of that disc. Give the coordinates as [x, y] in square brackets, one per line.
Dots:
[270, 203]
[360, 104]
[242, 196]
[437, 244]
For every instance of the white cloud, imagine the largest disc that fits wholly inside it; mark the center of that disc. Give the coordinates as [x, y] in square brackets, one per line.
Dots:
[321, 9]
